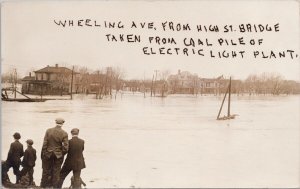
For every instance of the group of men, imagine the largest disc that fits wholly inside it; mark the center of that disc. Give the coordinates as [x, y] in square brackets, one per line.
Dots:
[55, 146]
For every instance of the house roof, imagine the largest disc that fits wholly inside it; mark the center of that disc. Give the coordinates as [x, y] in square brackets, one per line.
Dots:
[50, 69]
[209, 79]
[183, 75]
[220, 78]
[28, 78]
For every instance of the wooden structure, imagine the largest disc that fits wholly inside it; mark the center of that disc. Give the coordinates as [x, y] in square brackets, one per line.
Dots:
[24, 100]
[4, 96]
[229, 116]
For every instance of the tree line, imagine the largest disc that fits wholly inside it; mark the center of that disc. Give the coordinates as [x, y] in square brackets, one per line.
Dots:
[110, 80]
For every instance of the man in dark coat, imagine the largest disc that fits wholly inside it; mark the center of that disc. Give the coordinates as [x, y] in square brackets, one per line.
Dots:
[75, 160]
[14, 156]
[28, 162]
[55, 146]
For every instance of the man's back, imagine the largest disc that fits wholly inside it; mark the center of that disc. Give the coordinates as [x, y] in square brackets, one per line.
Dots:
[15, 152]
[29, 157]
[55, 141]
[75, 159]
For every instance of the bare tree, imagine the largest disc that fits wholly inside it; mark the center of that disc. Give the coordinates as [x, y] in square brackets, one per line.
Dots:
[63, 79]
[82, 82]
[11, 79]
[251, 84]
[265, 83]
[117, 76]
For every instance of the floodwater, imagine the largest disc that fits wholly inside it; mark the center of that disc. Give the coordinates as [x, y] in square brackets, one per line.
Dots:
[132, 141]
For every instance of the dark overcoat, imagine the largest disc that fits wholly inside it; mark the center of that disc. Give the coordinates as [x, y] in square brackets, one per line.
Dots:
[55, 142]
[75, 159]
[29, 157]
[15, 153]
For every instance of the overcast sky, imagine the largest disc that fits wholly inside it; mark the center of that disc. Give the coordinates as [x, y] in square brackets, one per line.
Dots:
[30, 40]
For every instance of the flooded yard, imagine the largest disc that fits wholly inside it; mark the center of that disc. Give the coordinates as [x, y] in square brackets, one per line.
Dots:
[132, 141]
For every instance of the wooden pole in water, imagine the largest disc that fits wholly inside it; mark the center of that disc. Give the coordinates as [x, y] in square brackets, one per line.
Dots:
[229, 96]
[222, 103]
[41, 91]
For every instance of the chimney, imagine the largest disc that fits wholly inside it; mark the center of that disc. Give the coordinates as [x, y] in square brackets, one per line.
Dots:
[47, 65]
[56, 65]
[29, 74]
[179, 72]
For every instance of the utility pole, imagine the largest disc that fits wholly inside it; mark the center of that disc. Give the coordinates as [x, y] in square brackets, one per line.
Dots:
[110, 85]
[163, 89]
[99, 81]
[12, 80]
[72, 83]
[229, 96]
[152, 85]
[15, 83]
[41, 91]
[155, 81]
[106, 78]
[144, 86]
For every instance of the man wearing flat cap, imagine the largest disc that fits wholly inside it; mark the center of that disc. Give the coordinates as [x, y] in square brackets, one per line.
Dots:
[75, 160]
[14, 156]
[55, 146]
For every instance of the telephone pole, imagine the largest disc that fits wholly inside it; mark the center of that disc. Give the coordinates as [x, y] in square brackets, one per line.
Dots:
[152, 85]
[155, 80]
[15, 83]
[72, 83]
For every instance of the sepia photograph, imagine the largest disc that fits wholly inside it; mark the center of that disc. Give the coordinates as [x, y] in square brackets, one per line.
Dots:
[150, 94]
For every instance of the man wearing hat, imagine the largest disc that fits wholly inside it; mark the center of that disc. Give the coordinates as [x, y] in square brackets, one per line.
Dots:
[55, 146]
[28, 162]
[14, 156]
[74, 161]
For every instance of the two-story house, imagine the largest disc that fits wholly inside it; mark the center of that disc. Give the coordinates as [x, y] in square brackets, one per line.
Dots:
[51, 80]
[186, 83]
[183, 83]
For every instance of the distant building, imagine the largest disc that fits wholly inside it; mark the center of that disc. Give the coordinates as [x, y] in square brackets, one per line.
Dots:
[212, 85]
[49, 81]
[187, 83]
[26, 84]
[95, 83]
[183, 83]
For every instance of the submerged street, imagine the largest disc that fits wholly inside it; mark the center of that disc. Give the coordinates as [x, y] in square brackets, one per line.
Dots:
[132, 141]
